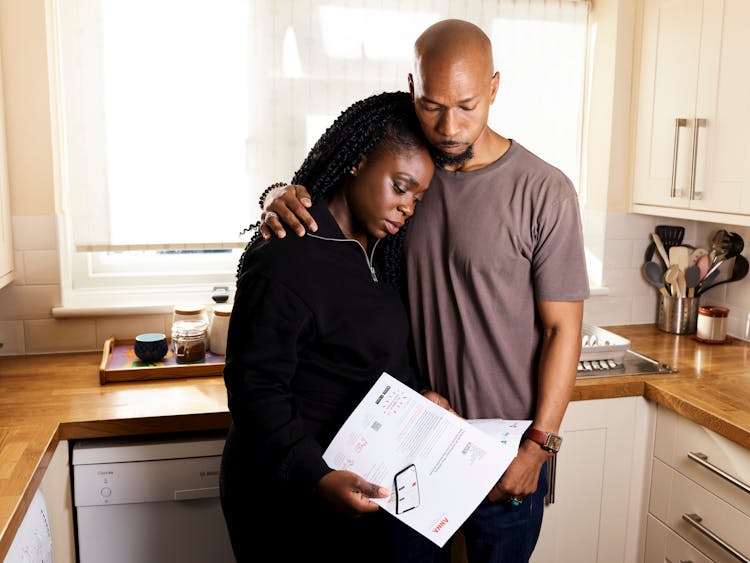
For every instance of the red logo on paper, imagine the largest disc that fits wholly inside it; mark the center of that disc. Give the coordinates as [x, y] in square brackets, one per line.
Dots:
[440, 525]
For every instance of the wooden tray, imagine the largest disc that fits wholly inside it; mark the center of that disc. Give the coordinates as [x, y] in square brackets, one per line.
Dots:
[119, 363]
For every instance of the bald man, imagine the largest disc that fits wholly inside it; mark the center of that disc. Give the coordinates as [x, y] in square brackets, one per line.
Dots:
[496, 278]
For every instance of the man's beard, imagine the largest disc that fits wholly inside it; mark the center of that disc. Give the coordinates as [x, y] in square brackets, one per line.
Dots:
[442, 159]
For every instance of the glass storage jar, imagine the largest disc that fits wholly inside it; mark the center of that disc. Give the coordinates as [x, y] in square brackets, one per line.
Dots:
[189, 334]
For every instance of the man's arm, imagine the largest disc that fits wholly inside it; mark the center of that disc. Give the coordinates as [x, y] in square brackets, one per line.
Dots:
[286, 206]
[561, 348]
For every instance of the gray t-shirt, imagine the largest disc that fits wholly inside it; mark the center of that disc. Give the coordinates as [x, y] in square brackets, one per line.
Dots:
[482, 248]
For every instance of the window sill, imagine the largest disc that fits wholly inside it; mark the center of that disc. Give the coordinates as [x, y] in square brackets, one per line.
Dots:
[110, 304]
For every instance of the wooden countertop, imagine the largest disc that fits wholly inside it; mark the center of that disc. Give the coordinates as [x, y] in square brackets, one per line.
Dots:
[44, 399]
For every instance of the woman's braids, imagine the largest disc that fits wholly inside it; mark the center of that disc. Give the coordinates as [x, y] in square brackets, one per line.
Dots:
[385, 121]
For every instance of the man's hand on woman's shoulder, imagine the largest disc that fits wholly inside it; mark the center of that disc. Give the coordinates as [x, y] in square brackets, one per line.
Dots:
[286, 206]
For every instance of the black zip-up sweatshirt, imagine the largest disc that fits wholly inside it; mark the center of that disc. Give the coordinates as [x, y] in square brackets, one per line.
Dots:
[313, 326]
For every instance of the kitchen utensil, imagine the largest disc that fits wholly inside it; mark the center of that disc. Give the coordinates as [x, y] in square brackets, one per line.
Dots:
[670, 235]
[739, 271]
[703, 265]
[681, 285]
[734, 245]
[707, 281]
[670, 277]
[655, 274]
[692, 278]
[696, 253]
[661, 249]
[680, 255]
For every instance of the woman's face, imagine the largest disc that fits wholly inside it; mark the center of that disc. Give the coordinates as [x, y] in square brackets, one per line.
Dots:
[386, 188]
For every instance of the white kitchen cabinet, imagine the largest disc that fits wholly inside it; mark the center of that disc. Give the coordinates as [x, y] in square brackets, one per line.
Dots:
[666, 546]
[601, 488]
[6, 241]
[700, 491]
[692, 144]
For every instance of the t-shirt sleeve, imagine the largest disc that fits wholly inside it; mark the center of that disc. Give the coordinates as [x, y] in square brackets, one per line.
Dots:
[559, 262]
[269, 324]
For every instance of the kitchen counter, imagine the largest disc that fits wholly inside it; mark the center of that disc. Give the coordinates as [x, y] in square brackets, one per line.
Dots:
[45, 399]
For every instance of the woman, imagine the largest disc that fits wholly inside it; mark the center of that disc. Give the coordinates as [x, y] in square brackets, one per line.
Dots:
[316, 320]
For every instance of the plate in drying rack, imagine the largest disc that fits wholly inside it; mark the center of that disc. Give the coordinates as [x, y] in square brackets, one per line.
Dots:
[601, 345]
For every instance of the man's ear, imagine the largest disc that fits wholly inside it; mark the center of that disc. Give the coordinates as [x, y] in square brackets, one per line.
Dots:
[411, 86]
[494, 86]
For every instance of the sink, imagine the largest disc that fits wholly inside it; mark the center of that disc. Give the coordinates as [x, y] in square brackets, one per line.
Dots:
[632, 363]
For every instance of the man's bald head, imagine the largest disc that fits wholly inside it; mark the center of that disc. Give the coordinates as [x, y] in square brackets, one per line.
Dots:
[452, 41]
[453, 86]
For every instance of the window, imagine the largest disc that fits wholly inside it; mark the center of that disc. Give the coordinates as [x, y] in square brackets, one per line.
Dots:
[173, 115]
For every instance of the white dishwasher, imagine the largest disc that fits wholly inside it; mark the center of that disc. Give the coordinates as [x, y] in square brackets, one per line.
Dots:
[149, 501]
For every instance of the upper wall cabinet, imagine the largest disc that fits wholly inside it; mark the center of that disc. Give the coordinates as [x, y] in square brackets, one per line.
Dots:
[692, 153]
[6, 242]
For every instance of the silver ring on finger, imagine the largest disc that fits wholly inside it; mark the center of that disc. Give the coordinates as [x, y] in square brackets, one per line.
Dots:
[515, 501]
[269, 215]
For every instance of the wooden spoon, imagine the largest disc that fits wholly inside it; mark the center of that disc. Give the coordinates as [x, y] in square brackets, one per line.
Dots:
[680, 255]
[661, 249]
[670, 277]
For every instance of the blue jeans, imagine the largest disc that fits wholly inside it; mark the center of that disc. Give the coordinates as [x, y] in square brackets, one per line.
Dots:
[496, 532]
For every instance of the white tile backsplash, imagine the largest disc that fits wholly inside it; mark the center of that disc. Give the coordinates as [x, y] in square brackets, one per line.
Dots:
[41, 267]
[625, 282]
[53, 335]
[128, 327]
[28, 302]
[12, 338]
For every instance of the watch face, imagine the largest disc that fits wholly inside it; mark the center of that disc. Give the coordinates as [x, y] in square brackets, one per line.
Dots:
[554, 443]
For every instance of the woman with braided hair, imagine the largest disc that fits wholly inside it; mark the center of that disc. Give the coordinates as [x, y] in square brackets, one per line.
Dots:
[303, 350]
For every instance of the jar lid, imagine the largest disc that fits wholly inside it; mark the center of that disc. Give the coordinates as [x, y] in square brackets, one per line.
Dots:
[189, 309]
[223, 310]
[713, 311]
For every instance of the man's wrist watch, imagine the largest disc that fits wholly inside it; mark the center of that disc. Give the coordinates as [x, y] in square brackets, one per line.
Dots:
[547, 440]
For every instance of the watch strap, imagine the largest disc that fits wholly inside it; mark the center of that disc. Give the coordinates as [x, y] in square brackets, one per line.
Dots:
[547, 440]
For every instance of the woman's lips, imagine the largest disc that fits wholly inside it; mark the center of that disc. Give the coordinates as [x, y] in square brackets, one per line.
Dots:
[392, 227]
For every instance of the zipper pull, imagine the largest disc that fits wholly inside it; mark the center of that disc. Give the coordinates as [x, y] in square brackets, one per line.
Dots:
[374, 277]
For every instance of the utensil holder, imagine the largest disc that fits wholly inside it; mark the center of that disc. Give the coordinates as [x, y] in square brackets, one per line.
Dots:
[678, 315]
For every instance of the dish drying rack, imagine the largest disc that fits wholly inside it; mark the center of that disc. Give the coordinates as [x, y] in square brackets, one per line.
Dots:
[601, 349]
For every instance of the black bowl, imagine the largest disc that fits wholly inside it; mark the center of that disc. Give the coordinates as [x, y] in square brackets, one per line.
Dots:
[150, 347]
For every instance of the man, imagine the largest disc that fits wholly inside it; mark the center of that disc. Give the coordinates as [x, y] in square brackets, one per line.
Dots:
[496, 277]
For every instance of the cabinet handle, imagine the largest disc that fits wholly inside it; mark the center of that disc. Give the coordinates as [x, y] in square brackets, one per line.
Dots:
[695, 521]
[694, 158]
[702, 459]
[678, 123]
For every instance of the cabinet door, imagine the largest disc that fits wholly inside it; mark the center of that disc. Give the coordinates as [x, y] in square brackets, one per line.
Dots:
[676, 500]
[599, 507]
[723, 163]
[6, 243]
[664, 546]
[670, 50]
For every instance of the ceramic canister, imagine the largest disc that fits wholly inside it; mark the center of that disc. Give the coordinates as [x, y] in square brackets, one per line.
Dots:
[218, 329]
